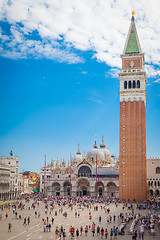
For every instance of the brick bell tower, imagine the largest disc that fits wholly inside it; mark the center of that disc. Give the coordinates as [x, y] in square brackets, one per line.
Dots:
[132, 143]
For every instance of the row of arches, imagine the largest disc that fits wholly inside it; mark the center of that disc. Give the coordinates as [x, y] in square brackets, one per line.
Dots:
[154, 183]
[156, 193]
[131, 84]
[82, 189]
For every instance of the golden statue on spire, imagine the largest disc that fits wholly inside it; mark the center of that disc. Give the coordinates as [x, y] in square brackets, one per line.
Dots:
[133, 13]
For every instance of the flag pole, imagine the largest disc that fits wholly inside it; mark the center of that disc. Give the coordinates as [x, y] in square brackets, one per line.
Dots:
[45, 174]
[70, 171]
[96, 173]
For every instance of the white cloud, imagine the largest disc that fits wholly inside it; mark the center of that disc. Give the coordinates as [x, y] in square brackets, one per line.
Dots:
[152, 71]
[84, 72]
[64, 26]
[157, 81]
[96, 97]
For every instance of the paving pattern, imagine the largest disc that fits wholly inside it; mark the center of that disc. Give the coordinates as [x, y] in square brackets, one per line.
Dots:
[34, 230]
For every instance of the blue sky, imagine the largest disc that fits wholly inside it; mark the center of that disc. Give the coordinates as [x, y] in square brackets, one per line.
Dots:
[59, 83]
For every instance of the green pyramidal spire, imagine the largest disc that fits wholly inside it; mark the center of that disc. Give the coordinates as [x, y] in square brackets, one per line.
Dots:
[132, 45]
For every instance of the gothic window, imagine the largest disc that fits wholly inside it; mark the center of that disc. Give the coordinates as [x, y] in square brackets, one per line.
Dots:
[155, 183]
[138, 84]
[158, 170]
[134, 84]
[129, 84]
[149, 183]
[125, 84]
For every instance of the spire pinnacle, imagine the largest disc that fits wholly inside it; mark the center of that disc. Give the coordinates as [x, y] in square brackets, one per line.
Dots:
[132, 45]
[133, 15]
[78, 152]
[95, 145]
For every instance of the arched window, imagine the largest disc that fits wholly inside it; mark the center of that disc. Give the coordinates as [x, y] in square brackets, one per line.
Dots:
[138, 84]
[152, 183]
[125, 84]
[149, 183]
[158, 170]
[158, 184]
[84, 171]
[129, 84]
[134, 84]
[155, 183]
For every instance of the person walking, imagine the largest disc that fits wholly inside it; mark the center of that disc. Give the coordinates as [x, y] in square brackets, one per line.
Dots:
[102, 232]
[56, 232]
[64, 234]
[106, 233]
[111, 233]
[49, 227]
[77, 233]
[98, 230]
[81, 230]
[86, 230]
[9, 227]
[134, 235]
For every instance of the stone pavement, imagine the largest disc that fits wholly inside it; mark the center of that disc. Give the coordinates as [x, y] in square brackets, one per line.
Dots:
[34, 230]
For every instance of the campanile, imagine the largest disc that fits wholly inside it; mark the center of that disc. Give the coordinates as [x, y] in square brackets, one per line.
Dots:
[132, 142]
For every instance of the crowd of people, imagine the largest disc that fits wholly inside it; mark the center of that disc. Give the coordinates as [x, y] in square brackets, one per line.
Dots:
[129, 220]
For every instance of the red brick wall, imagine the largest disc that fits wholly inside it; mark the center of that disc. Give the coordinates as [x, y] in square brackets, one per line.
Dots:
[135, 178]
[137, 61]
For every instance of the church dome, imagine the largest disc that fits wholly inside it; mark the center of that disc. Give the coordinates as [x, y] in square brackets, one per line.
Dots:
[93, 151]
[78, 157]
[104, 149]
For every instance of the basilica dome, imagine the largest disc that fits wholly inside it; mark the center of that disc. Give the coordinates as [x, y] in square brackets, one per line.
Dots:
[91, 154]
[78, 157]
[106, 152]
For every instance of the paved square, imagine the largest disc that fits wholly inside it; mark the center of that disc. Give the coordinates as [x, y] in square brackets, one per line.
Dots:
[35, 230]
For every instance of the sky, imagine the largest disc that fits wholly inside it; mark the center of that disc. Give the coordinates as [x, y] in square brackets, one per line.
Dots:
[59, 64]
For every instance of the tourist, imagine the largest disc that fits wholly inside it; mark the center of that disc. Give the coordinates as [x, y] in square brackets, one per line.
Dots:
[64, 234]
[86, 230]
[98, 230]
[102, 232]
[106, 233]
[134, 235]
[81, 230]
[9, 227]
[56, 232]
[77, 233]
[111, 233]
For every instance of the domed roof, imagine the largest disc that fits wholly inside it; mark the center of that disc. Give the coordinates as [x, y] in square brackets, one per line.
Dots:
[102, 145]
[93, 151]
[106, 152]
[104, 149]
[78, 157]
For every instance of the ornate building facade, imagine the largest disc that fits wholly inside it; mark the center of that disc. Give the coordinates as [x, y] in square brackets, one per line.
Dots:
[15, 180]
[132, 142]
[153, 176]
[95, 173]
